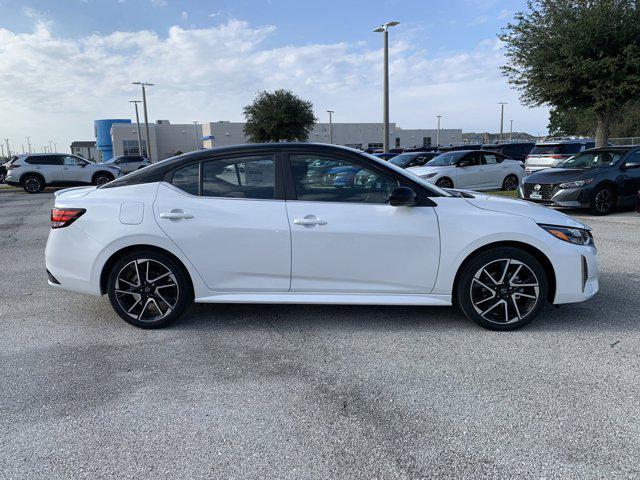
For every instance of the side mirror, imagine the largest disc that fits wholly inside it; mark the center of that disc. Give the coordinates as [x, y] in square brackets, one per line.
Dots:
[402, 197]
[465, 163]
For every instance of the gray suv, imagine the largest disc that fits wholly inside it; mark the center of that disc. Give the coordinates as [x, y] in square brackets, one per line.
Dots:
[35, 171]
[129, 163]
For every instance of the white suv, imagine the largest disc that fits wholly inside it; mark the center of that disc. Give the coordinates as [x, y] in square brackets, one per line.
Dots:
[552, 152]
[35, 171]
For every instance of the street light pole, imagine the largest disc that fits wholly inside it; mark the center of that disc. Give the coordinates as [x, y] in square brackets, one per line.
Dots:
[8, 148]
[330, 112]
[28, 143]
[135, 103]
[195, 124]
[146, 118]
[511, 130]
[385, 115]
[55, 147]
[438, 131]
[502, 104]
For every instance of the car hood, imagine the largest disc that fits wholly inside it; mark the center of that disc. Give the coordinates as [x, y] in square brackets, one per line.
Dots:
[537, 213]
[559, 175]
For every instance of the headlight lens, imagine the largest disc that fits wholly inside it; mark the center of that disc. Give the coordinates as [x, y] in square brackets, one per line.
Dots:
[428, 175]
[577, 236]
[577, 183]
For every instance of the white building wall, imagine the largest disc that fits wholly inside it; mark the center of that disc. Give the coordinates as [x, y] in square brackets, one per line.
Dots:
[166, 139]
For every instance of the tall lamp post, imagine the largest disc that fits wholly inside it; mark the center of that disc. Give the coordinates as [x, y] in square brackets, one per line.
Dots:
[146, 117]
[6, 140]
[385, 116]
[511, 130]
[195, 124]
[438, 131]
[330, 112]
[28, 143]
[135, 103]
[502, 104]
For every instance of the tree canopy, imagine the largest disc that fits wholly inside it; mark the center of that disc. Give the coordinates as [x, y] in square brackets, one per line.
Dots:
[278, 116]
[576, 55]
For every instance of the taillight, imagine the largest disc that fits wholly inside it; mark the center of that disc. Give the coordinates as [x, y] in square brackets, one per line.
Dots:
[557, 157]
[63, 217]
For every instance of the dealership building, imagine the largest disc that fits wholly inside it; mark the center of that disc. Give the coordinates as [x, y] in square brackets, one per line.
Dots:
[120, 137]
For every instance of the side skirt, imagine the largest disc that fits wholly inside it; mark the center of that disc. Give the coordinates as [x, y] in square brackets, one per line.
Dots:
[328, 299]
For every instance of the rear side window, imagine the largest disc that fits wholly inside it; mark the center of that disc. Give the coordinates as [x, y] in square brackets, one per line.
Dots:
[242, 177]
[52, 160]
[188, 178]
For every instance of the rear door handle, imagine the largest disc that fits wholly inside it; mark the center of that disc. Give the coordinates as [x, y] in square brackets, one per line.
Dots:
[173, 215]
[309, 221]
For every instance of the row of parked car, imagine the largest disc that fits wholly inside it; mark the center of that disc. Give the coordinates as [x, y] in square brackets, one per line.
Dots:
[35, 171]
[567, 172]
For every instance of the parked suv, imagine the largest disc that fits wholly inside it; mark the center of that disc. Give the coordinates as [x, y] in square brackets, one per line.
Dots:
[35, 171]
[514, 150]
[552, 152]
[129, 163]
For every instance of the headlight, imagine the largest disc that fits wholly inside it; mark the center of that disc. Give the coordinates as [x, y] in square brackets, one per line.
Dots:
[429, 175]
[577, 236]
[577, 183]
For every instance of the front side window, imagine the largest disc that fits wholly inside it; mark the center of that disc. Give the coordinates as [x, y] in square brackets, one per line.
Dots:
[445, 160]
[245, 177]
[491, 159]
[68, 160]
[321, 178]
[188, 178]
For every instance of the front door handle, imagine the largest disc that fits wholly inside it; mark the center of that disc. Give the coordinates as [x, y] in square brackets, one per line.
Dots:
[176, 215]
[309, 220]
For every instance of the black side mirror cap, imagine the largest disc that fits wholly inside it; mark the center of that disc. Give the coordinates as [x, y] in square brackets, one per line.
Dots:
[402, 197]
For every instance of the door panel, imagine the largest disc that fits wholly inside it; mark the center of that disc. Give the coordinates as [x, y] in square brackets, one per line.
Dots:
[235, 244]
[72, 172]
[345, 236]
[363, 248]
[494, 172]
[470, 177]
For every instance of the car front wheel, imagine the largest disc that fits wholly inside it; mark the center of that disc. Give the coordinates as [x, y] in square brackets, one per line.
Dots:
[102, 178]
[444, 183]
[502, 288]
[148, 289]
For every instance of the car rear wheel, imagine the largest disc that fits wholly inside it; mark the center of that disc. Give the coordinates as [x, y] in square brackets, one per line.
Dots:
[444, 183]
[102, 178]
[33, 184]
[510, 182]
[148, 289]
[502, 289]
[603, 201]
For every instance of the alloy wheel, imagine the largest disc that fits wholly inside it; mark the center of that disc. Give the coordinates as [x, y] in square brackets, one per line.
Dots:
[146, 289]
[511, 182]
[101, 180]
[445, 183]
[504, 291]
[32, 184]
[604, 200]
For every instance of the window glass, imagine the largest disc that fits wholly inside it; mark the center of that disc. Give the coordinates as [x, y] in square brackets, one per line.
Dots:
[45, 160]
[445, 159]
[67, 160]
[490, 159]
[327, 179]
[245, 177]
[591, 160]
[130, 147]
[634, 158]
[187, 178]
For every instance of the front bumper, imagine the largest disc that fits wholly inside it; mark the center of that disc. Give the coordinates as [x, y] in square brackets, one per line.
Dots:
[560, 197]
[576, 274]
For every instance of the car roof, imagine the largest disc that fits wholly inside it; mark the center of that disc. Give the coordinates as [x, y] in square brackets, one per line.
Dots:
[615, 148]
[502, 144]
[565, 140]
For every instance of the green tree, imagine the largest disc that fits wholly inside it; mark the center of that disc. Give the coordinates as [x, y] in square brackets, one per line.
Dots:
[576, 55]
[278, 116]
[625, 122]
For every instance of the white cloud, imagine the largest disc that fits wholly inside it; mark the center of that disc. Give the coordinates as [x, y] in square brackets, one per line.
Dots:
[54, 87]
[479, 20]
[184, 15]
[504, 13]
[158, 3]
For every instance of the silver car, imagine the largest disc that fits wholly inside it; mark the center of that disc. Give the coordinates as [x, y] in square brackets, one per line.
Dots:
[552, 152]
[129, 163]
[35, 171]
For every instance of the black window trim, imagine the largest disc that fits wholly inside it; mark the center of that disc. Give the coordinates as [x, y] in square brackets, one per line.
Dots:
[424, 195]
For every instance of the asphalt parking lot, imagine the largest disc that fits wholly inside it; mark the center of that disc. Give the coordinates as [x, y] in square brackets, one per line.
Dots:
[240, 391]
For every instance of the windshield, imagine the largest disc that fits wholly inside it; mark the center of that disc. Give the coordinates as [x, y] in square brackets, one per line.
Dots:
[449, 158]
[591, 160]
[403, 159]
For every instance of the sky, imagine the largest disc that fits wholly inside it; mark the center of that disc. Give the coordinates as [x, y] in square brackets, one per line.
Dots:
[65, 63]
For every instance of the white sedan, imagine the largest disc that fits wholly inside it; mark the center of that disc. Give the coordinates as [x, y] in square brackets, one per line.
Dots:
[270, 224]
[472, 170]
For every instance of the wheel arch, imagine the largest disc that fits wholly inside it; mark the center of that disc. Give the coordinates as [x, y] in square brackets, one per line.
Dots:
[105, 172]
[531, 250]
[106, 268]
[32, 174]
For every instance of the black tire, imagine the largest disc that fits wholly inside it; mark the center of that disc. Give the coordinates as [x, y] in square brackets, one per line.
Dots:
[127, 298]
[2, 177]
[510, 182]
[33, 183]
[102, 178]
[483, 280]
[444, 182]
[603, 200]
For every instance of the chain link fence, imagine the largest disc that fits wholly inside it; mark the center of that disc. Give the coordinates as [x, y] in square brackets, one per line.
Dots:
[625, 141]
